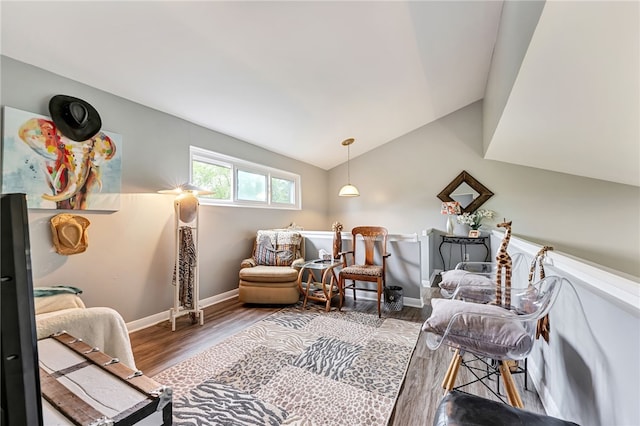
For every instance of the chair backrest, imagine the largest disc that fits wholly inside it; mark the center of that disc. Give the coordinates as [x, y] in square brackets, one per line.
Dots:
[370, 234]
[536, 300]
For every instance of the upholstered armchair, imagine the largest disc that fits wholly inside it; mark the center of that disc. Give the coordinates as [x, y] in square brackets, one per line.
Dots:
[270, 275]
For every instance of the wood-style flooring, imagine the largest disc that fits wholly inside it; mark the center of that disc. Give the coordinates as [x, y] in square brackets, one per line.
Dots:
[157, 348]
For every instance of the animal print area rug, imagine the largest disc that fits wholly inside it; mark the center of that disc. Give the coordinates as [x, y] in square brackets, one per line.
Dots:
[297, 367]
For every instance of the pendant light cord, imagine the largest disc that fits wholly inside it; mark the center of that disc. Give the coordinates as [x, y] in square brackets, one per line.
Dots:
[349, 164]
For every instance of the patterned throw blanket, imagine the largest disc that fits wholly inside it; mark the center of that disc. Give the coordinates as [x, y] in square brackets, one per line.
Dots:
[187, 268]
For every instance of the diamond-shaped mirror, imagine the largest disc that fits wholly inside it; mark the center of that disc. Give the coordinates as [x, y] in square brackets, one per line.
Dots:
[466, 190]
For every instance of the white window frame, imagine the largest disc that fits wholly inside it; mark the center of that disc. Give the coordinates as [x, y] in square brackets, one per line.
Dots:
[211, 157]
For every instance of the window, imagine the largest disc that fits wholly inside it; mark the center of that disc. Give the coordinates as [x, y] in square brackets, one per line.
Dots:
[236, 182]
[283, 190]
[252, 186]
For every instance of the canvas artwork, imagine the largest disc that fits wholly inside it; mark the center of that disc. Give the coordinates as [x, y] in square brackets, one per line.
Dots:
[56, 172]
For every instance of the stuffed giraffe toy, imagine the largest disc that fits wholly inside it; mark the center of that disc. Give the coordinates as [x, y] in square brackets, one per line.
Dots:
[543, 327]
[503, 262]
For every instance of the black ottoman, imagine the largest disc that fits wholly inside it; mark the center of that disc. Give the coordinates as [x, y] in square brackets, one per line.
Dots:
[462, 409]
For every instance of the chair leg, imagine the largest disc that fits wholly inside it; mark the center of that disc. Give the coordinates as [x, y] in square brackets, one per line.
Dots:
[452, 371]
[354, 289]
[513, 396]
[379, 296]
[341, 291]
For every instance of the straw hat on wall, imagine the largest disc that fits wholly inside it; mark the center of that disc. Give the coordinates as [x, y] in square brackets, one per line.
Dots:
[69, 233]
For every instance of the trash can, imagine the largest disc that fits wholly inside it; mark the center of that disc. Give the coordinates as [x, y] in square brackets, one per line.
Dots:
[393, 298]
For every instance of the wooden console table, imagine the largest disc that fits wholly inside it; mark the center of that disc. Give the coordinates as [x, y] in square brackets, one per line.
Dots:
[463, 242]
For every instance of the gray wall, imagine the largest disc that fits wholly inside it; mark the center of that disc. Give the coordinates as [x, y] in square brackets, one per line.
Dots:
[398, 182]
[128, 264]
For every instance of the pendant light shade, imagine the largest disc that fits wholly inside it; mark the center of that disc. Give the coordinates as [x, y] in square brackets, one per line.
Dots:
[348, 190]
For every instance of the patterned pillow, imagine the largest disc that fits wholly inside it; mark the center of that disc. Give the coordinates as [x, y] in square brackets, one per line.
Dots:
[267, 255]
[285, 255]
[272, 235]
[290, 241]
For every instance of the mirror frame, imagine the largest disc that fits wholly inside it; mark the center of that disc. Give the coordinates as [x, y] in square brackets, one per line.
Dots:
[485, 194]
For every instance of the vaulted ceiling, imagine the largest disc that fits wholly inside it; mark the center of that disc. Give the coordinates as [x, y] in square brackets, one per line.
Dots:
[299, 77]
[575, 104]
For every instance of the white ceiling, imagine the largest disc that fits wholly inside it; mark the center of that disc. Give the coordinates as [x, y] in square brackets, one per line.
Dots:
[296, 77]
[575, 105]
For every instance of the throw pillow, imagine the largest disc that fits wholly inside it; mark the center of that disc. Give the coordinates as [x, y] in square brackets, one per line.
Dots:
[451, 279]
[267, 255]
[284, 255]
[272, 235]
[482, 329]
[290, 241]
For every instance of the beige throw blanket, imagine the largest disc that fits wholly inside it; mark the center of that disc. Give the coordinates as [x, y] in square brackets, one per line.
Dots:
[99, 327]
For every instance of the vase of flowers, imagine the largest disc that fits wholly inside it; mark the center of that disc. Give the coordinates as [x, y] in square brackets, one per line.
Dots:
[474, 220]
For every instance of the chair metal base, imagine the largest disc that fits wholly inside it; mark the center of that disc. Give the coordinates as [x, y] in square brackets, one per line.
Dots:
[492, 368]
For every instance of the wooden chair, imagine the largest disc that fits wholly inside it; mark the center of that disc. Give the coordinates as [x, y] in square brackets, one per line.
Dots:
[368, 271]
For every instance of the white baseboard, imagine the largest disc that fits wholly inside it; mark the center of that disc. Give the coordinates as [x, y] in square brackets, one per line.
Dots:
[412, 302]
[162, 316]
[550, 407]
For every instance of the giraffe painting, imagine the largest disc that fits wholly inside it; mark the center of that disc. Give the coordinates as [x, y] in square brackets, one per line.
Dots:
[503, 262]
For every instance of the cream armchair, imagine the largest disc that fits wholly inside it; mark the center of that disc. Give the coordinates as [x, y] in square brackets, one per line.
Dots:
[270, 275]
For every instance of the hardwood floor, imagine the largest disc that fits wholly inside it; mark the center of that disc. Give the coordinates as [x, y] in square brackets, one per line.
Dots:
[157, 348]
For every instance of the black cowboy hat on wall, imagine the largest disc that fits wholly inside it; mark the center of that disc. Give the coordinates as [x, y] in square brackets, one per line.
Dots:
[74, 118]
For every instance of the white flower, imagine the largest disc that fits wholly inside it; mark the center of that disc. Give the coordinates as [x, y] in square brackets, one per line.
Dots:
[474, 220]
[466, 219]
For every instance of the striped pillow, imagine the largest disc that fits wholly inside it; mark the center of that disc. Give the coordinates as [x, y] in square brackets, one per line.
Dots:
[267, 255]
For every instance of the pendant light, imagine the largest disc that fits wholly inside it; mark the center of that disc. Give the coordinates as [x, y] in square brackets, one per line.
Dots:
[348, 190]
